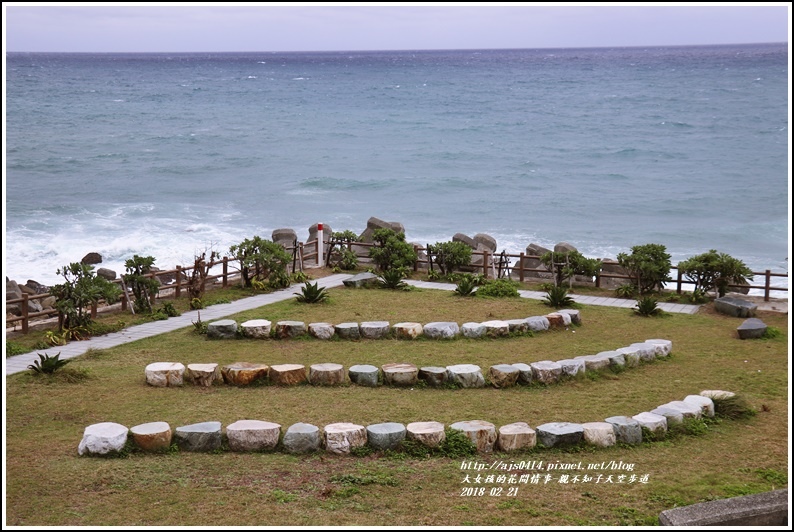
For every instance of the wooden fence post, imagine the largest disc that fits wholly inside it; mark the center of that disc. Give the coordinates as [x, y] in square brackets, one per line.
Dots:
[521, 267]
[678, 287]
[485, 263]
[24, 310]
[93, 310]
[178, 287]
[225, 272]
[767, 281]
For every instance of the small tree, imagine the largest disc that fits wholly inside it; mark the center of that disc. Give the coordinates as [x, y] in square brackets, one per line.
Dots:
[449, 256]
[714, 271]
[339, 248]
[392, 250]
[261, 259]
[563, 265]
[197, 282]
[141, 284]
[81, 290]
[649, 265]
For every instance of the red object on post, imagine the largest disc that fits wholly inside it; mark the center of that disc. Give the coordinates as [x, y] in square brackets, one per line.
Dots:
[319, 227]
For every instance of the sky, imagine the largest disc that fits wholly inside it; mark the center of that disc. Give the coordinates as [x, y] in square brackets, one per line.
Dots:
[321, 26]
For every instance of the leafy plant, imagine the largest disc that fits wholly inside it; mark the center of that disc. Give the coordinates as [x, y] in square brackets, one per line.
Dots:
[262, 259]
[47, 364]
[139, 279]
[715, 271]
[200, 327]
[647, 306]
[563, 265]
[279, 278]
[196, 304]
[557, 297]
[311, 293]
[449, 256]
[392, 251]
[197, 281]
[498, 288]
[15, 348]
[346, 258]
[467, 286]
[393, 279]
[299, 277]
[82, 289]
[649, 265]
[626, 290]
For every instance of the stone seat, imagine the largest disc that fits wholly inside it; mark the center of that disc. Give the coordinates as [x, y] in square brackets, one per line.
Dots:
[429, 433]
[598, 433]
[495, 328]
[204, 375]
[655, 423]
[503, 375]
[571, 367]
[222, 329]
[163, 374]
[374, 330]
[302, 438]
[290, 329]
[287, 374]
[515, 437]
[244, 373]
[546, 371]
[328, 374]
[433, 376]
[481, 433]
[340, 438]
[524, 372]
[705, 404]
[363, 375]
[473, 330]
[259, 329]
[248, 435]
[407, 330]
[441, 330]
[348, 331]
[199, 437]
[627, 430]
[322, 330]
[751, 328]
[152, 437]
[397, 374]
[466, 375]
[102, 439]
[559, 434]
[382, 436]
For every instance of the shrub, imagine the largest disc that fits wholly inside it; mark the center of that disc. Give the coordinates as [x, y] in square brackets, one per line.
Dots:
[139, 279]
[565, 264]
[81, 290]
[338, 247]
[498, 288]
[200, 327]
[449, 256]
[734, 407]
[299, 277]
[647, 306]
[467, 286]
[47, 364]
[392, 250]
[649, 265]
[393, 279]
[557, 297]
[626, 290]
[262, 259]
[311, 293]
[714, 271]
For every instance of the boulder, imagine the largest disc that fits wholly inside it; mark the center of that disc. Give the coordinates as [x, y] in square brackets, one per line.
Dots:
[290, 329]
[460, 237]
[496, 328]
[322, 331]
[481, 433]
[203, 374]
[341, 438]
[599, 433]
[348, 331]
[287, 374]
[485, 241]
[37, 287]
[655, 423]
[564, 247]
[736, 307]
[165, 374]
[106, 273]
[686, 409]
[515, 437]
[244, 373]
[259, 329]
[361, 280]
[473, 330]
[102, 439]
[705, 404]
[327, 374]
[612, 267]
[670, 414]
[374, 224]
[327, 233]
[382, 436]
[374, 330]
[546, 371]
[441, 330]
[559, 434]
[574, 314]
[284, 236]
[92, 258]
[503, 375]
[531, 261]
[524, 372]
[199, 437]
[248, 435]
[429, 433]
[751, 328]
[627, 430]
[466, 375]
[572, 367]
[222, 329]
[363, 375]
[407, 330]
[433, 376]
[397, 374]
[666, 346]
[302, 438]
[152, 437]
[538, 323]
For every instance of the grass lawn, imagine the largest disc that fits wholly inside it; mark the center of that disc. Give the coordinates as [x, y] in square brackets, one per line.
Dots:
[48, 484]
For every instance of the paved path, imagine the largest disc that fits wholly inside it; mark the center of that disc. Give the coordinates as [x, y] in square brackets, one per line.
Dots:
[20, 363]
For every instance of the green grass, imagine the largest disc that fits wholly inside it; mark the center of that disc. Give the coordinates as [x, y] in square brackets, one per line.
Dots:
[49, 485]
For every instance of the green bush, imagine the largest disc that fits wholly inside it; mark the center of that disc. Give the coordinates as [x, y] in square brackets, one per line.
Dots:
[467, 286]
[47, 364]
[262, 259]
[626, 290]
[392, 251]
[648, 265]
[311, 293]
[139, 279]
[565, 264]
[647, 306]
[557, 297]
[498, 288]
[348, 260]
[393, 279]
[449, 256]
[82, 289]
[714, 271]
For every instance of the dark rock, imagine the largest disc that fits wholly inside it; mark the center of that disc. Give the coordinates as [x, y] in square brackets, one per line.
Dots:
[460, 237]
[284, 236]
[751, 328]
[361, 280]
[486, 241]
[106, 273]
[37, 287]
[92, 258]
[733, 306]
[13, 291]
[564, 247]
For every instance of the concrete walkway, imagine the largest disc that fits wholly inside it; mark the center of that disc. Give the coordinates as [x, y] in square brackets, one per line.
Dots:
[20, 363]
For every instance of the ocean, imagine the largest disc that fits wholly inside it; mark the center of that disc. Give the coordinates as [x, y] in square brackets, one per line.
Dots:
[169, 155]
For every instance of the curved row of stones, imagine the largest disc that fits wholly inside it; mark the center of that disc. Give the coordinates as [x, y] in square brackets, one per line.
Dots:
[404, 374]
[339, 438]
[374, 330]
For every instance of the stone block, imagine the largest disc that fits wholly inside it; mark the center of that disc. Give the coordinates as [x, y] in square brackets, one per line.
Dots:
[441, 330]
[244, 373]
[259, 329]
[429, 433]
[546, 371]
[627, 430]
[407, 330]
[705, 404]
[556, 321]
[382, 436]
[322, 330]
[717, 394]
[247, 435]
[102, 439]
[485, 241]
[222, 329]
[595, 362]
[341, 438]
[433, 376]
[538, 323]
[374, 330]
[599, 433]
[667, 346]
[751, 328]
[361, 280]
[287, 374]
[559, 434]
[646, 351]
[515, 437]
[152, 437]
[204, 375]
[363, 375]
[518, 326]
[473, 330]
[163, 374]
[686, 409]
[616, 358]
[503, 375]
[524, 372]
[496, 328]
[327, 374]
[302, 438]
[572, 367]
[736, 307]
[671, 415]
[199, 437]
[575, 315]
[348, 331]
[289, 329]
[655, 423]
[285, 236]
[398, 374]
[631, 355]
[466, 375]
[481, 433]
[768, 509]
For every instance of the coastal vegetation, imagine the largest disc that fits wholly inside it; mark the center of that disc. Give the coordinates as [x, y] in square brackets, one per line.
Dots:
[714, 271]
[726, 457]
[649, 265]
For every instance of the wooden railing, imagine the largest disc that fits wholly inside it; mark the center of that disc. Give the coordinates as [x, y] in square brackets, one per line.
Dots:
[308, 252]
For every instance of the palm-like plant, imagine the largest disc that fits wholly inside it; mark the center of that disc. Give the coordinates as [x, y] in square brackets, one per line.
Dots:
[393, 279]
[467, 286]
[647, 306]
[47, 364]
[311, 293]
[557, 297]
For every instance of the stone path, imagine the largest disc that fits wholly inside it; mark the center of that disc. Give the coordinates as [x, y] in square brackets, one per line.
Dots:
[19, 363]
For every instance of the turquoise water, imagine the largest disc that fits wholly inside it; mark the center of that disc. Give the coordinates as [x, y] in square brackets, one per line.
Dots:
[168, 154]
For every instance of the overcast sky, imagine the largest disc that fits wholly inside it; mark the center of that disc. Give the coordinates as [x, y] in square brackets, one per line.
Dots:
[229, 27]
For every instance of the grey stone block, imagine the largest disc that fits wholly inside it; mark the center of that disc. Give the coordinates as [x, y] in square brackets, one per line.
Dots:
[383, 436]
[441, 329]
[302, 438]
[363, 375]
[374, 330]
[558, 434]
[757, 510]
[348, 331]
[627, 430]
[473, 330]
[433, 376]
[361, 280]
[736, 307]
[222, 329]
[751, 328]
[199, 437]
